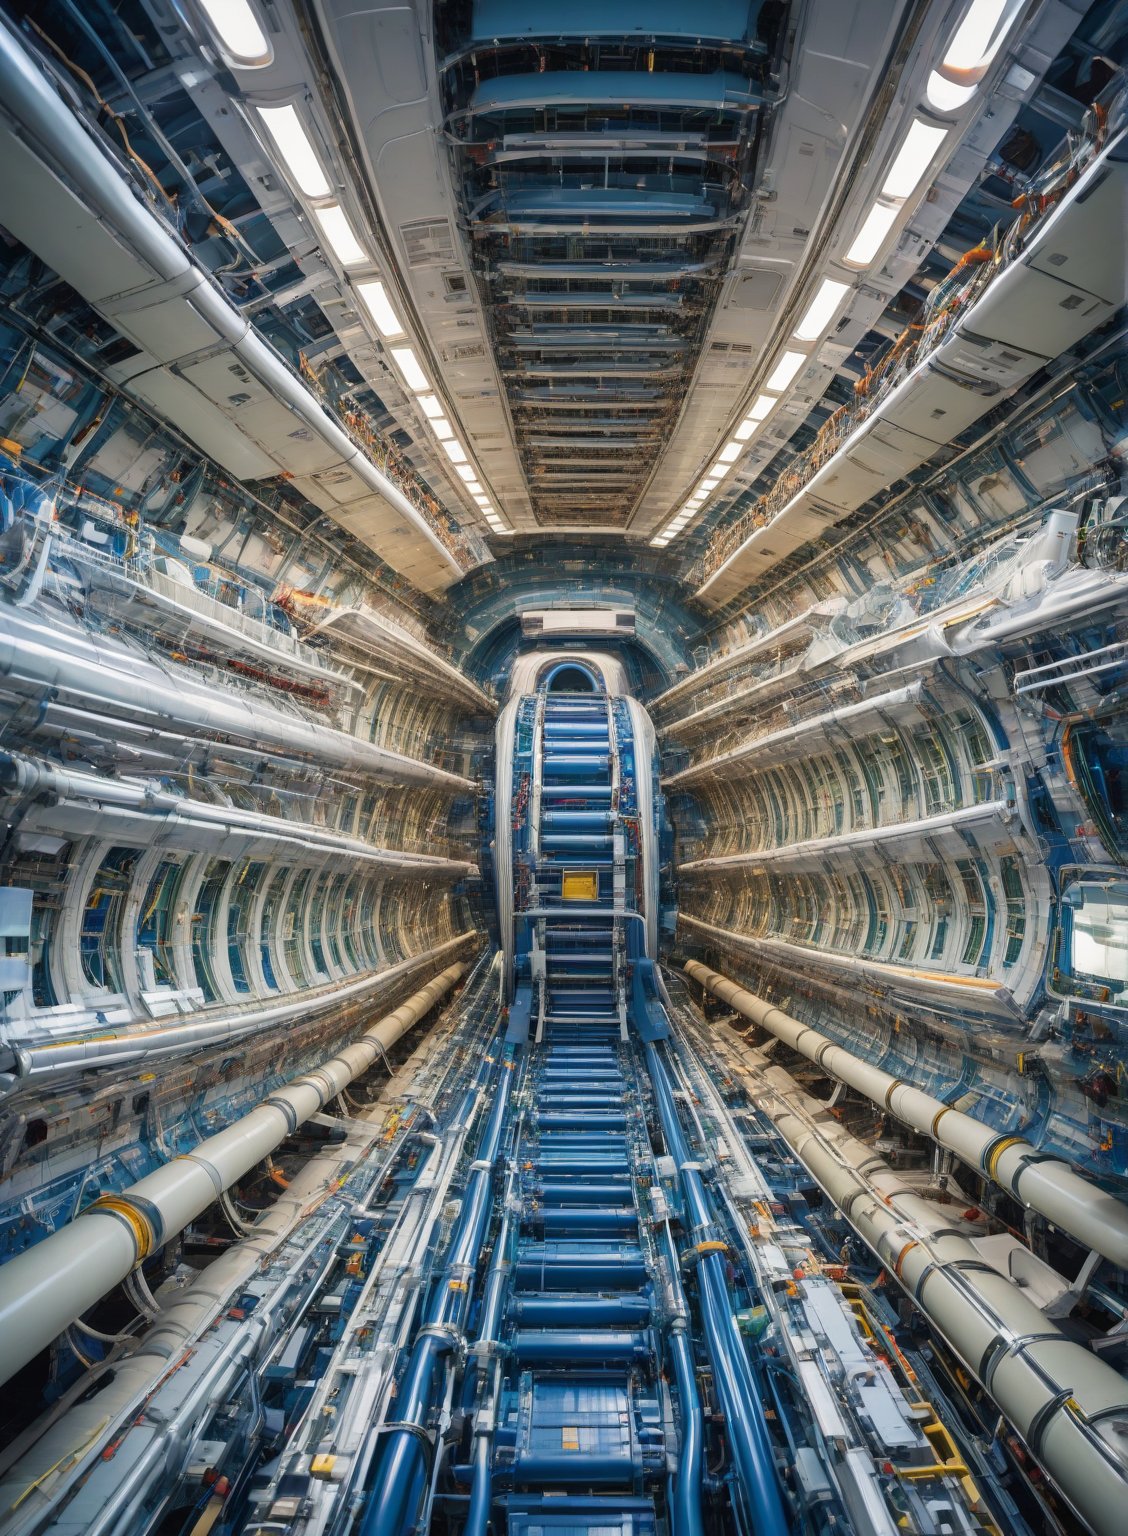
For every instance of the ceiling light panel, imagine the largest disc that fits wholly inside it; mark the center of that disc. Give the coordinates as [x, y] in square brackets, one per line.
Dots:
[292, 142]
[376, 301]
[456, 453]
[871, 237]
[442, 429]
[786, 369]
[980, 35]
[467, 471]
[729, 453]
[822, 310]
[340, 236]
[237, 28]
[408, 365]
[913, 159]
[761, 408]
[431, 406]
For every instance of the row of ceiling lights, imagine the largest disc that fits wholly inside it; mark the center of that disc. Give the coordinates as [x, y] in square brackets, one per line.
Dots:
[951, 86]
[246, 45]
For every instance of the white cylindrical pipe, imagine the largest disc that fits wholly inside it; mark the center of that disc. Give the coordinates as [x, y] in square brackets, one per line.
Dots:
[1069, 1407]
[1044, 1184]
[45, 1288]
[99, 676]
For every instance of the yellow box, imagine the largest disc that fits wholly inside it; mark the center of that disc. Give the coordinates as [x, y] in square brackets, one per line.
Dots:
[570, 1439]
[322, 1466]
[579, 885]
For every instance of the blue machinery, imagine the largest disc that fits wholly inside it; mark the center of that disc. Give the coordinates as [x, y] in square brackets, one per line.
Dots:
[591, 1288]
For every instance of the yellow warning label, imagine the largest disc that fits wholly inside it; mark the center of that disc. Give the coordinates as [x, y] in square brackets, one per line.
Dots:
[569, 1438]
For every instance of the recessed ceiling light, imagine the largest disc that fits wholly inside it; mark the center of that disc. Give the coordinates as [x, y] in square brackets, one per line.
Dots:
[745, 430]
[659, 543]
[821, 310]
[376, 299]
[431, 406]
[729, 453]
[287, 130]
[913, 158]
[467, 471]
[442, 428]
[945, 95]
[786, 369]
[483, 501]
[871, 237]
[980, 34]
[408, 365]
[711, 483]
[474, 488]
[340, 236]
[456, 453]
[761, 408]
[720, 469]
[238, 30]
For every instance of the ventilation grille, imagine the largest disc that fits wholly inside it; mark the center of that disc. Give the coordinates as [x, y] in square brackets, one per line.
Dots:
[428, 242]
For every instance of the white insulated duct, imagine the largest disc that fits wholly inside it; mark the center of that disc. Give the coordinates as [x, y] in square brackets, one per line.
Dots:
[72, 672]
[1069, 1406]
[134, 270]
[1045, 1184]
[45, 1288]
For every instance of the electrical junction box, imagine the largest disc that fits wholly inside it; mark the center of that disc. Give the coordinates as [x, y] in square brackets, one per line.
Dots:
[579, 885]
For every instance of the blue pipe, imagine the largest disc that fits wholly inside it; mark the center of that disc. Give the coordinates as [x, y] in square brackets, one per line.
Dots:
[736, 1387]
[390, 1509]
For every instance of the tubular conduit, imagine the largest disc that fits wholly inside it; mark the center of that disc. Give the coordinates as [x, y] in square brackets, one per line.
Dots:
[47, 1287]
[105, 1049]
[1043, 1183]
[58, 135]
[391, 1509]
[736, 1387]
[58, 664]
[1069, 1406]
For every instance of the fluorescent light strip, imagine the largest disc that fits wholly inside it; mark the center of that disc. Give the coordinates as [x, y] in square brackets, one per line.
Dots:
[431, 406]
[456, 453]
[376, 301]
[871, 237]
[719, 471]
[467, 471]
[786, 369]
[821, 310]
[292, 142]
[483, 501]
[238, 30]
[474, 488]
[913, 159]
[761, 408]
[408, 365]
[711, 483]
[729, 453]
[745, 430]
[340, 235]
[442, 429]
[980, 35]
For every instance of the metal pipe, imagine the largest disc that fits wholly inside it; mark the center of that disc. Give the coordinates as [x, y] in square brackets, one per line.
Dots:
[105, 1048]
[45, 1288]
[44, 120]
[57, 662]
[390, 1508]
[1069, 1406]
[1044, 1184]
[744, 1416]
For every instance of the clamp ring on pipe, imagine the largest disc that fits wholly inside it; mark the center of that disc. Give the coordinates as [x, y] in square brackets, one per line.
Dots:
[995, 1151]
[134, 1218]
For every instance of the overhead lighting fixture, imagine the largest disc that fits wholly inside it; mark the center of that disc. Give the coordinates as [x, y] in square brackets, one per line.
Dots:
[786, 369]
[745, 430]
[467, 471]
[456, 453]
[761, 408]
[376, 300]
[237, 28]
[483, 501]
[821, 310]
[474, 488]
[287, 130]
[980, 35]
[340, 235]
[442, 429]
[913, 159]
[659, 543]
[729, 453]
[710, 483]
[871, 237]
[945, 95]
[408, 365]
[431, 406]
[719, 470]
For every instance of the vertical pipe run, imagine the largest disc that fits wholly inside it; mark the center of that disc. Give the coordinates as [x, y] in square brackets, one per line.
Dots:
[736, 1387]
[390, 1509]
